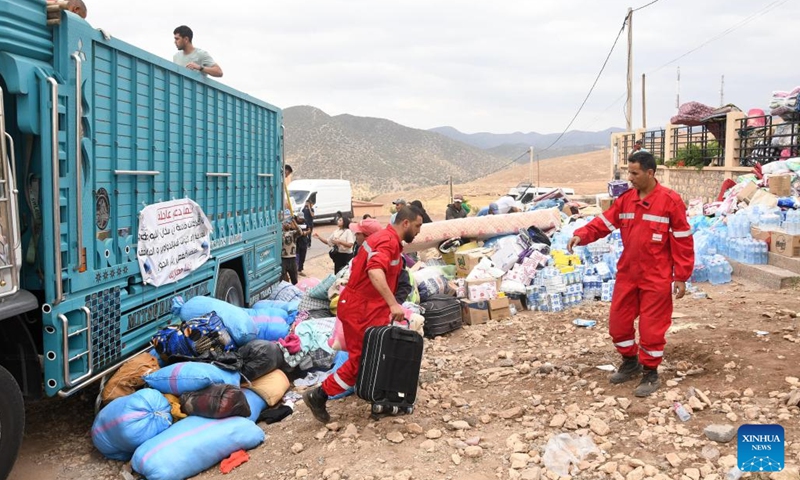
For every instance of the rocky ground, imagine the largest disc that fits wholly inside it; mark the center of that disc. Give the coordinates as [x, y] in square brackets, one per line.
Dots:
[493, 396]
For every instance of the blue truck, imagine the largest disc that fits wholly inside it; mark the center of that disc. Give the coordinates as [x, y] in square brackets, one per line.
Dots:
[93, 130]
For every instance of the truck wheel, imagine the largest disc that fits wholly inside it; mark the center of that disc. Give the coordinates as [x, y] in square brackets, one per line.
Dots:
[12, 422]
[229, 287]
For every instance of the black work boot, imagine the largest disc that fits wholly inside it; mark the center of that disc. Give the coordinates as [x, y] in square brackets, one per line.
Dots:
[315, 400]
[630, 369]
[649, 383]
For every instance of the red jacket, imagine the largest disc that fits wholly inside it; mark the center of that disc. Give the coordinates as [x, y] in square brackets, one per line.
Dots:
[382, 250]
[655, 233]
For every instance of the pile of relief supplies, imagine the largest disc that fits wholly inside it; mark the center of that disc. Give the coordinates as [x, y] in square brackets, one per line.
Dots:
[195, 398]
[755, 214]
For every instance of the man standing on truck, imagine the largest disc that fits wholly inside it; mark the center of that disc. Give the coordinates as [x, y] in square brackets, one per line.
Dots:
[656, 262]
[368, 300]
[191, 57]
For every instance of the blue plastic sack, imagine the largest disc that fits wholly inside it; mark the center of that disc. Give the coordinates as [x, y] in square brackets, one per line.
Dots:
[269, 312]
[271, 328]
[289, 307]
[193, 445]
[257, 404]
[189, 377]
[236, 319]
[129, 421]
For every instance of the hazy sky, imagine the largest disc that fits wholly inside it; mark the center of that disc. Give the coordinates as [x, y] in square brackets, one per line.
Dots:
[501, 66]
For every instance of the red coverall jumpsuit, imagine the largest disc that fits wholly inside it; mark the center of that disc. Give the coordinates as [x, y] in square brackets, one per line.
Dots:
[361, 306]
[658, 248]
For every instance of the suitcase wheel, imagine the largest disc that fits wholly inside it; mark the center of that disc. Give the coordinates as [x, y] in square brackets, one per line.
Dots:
[395, 410]
[377, 409]
[409, 410]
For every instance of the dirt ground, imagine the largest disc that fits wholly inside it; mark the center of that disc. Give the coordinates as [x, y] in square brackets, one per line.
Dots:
[492, 396]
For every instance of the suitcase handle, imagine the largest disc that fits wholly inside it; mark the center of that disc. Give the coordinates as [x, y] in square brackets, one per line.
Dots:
[403, 334]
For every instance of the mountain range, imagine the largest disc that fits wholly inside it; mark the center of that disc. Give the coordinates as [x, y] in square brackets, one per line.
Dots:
[379, 155]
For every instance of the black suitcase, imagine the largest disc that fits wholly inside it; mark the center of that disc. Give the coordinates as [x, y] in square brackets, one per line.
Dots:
[442, 315]
[389, 371]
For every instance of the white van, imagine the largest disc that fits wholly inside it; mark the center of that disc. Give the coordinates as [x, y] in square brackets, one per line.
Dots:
[331, 197]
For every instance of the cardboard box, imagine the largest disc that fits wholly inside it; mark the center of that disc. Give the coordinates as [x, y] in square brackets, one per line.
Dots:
[498, 308]
[785, 244]
[780, 185]
[474, 313]
[467, 260]
[747, 192]
[763, 235]
[519, 303]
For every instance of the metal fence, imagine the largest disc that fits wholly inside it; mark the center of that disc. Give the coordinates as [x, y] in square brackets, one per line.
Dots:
[766, 139]
[698, 146]
[653, 142]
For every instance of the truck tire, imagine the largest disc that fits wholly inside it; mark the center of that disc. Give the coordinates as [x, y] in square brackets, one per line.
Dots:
[229, 287]
[12, 422]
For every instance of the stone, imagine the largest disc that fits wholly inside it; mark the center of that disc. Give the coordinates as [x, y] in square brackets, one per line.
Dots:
[751, 413]
[473, 451]
[624, 402]
[459, 425]
[650, 471]
[710, 453]
[519, 460]
[301, 472]
[456, 458]
[433, 433]
[789, 472]
[610, 467]
[297, 448]
[748, 392]
[794, 399]
[403, 475]
[720, 433]
[558, 420]
[414, 429]
[329, 473]
[511, 413]
[599, 427]
[395, 437]
[534, 473]
[646, 436]
[692, 473]
[473, 441]
[696, 404]
[728, 461]
[635, 474]
[350, 431]
[673, 459]
[333, 426]
[428, 445]
[546, 368]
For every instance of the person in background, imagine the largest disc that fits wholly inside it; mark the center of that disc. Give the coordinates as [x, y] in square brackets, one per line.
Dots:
[341, 242]
[503, 205]
[191, 57]
[291, 232]
[75, 6]
[287, 173]
[425, 217]
[362, 230]
[657, 260]
[637, 147]
[367, 300]
[399, 204]
[455, 209]
[305, 241]
[366, 216]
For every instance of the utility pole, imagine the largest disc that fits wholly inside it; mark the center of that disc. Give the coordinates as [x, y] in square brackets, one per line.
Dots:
[450, 181]
[644, 104]
[530, 166]
[629, 105]
[678, 90]
[538, 175]
[722, 91]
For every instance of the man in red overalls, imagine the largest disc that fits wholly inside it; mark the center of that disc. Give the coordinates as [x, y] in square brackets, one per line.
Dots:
[367, 301]
[659, 253]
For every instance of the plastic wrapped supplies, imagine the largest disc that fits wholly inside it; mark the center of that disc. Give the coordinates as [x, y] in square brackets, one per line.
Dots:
[130, 421]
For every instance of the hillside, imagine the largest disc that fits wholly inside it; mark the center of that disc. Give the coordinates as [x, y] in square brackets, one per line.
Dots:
[485, 140]
[588, 173]
[377, 155]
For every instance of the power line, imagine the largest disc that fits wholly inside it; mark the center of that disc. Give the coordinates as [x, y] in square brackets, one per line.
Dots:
[512, 162]
[736, 26]
[619, 34]
[645, 6]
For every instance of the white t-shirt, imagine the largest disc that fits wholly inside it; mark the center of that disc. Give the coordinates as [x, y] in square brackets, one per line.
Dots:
[504, 204]
[198, 56]
[343, 235]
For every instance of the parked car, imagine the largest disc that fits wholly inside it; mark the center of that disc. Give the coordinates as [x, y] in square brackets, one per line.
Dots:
[331, 198]
[525, 192]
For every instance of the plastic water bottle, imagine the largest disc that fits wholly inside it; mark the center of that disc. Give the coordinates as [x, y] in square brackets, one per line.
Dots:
[734, 474]
[727, 270]
[681, 412]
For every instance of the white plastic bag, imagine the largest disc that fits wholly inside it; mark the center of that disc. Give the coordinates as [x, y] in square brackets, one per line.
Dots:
[564, 449]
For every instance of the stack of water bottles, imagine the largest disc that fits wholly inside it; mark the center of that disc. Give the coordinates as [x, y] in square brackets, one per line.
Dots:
[791, 224]
[748, 250]
[719, 270]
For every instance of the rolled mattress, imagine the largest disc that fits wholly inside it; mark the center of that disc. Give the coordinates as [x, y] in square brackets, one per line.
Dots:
[432, 234]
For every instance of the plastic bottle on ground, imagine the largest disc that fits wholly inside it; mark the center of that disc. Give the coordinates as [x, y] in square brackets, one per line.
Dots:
[681, 412]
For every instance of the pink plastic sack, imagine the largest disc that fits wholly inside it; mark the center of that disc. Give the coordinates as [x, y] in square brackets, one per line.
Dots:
[307, 284]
